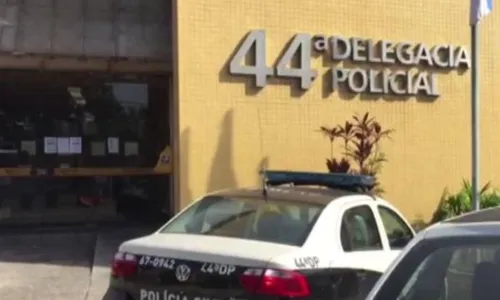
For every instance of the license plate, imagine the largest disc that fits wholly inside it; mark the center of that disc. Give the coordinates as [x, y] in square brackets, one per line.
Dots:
[157, 262]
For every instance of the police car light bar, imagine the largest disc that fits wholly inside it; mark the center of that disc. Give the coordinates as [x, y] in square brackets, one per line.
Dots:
[330, 180]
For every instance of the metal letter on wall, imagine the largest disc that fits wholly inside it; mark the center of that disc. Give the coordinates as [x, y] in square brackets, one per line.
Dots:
[301, 44]
[237, 66]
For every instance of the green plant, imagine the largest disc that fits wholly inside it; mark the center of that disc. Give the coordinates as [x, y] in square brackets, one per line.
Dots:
[461, 202]
[361, 152]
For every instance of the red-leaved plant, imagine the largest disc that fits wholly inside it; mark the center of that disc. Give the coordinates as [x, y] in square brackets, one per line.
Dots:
[362, 155]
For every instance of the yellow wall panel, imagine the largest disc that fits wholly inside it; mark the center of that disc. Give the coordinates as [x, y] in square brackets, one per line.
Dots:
[228, 130]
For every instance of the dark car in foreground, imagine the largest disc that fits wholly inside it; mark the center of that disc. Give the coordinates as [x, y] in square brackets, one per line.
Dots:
[458, 259]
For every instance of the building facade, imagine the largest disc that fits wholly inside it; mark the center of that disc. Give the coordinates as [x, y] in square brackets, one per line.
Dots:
[112, 108]
[230, 125]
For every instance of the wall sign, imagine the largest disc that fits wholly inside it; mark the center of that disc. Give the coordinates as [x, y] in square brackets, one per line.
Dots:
[379, 67]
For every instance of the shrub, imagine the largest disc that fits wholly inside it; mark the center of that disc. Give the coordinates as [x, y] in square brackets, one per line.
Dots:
[360, 139]
[456, 204]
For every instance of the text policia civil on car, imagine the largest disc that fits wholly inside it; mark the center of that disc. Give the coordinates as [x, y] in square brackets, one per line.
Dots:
[416, 74]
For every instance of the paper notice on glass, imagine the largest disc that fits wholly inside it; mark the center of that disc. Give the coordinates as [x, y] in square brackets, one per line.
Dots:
[75, 145]
[29, 147]
[50, 145]
[131, 148]
[113, 145]
[63, 145]
[98, 148]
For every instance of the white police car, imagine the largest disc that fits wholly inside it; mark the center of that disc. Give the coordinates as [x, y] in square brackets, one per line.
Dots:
[284, 240]
[457, 259]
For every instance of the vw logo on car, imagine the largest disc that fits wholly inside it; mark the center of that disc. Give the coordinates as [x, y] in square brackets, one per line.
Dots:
[182, 273]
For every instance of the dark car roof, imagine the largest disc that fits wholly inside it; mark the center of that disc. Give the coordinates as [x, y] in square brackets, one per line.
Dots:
[485, 215]
[478, 223]
[312, 195]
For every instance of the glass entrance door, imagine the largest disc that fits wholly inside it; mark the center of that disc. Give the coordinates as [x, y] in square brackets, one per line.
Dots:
[82, 150]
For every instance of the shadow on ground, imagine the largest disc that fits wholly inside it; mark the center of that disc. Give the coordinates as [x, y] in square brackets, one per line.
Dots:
[57, 266]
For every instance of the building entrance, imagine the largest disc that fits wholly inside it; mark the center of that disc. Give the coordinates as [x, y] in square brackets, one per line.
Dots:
[83, 148]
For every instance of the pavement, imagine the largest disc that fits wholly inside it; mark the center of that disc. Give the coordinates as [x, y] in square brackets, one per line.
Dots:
[59, 266]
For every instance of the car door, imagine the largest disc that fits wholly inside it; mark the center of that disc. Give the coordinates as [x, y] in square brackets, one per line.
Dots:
[361, 232]
[362, 243]
[394, 228]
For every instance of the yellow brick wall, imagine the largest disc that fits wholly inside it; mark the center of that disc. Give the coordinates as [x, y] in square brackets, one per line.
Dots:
[227, 130]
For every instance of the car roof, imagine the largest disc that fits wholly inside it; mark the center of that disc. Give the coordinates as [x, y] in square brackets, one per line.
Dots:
[310, 195]
[481, 216]
[483, 222]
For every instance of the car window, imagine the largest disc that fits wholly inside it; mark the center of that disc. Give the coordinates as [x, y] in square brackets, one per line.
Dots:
[307, 214]
[446, 272]
[398, 233]
[285, 222]
[359, 230]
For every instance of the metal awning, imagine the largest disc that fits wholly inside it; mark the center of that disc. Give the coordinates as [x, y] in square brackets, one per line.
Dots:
[87, 28]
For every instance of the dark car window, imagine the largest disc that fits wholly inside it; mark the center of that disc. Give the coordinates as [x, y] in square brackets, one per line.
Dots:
[352, 283]
[451, 269]
[284, 222]
[398, 233]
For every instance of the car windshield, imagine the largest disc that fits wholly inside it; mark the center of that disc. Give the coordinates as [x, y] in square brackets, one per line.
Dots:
[276, 221]
[447, 269]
